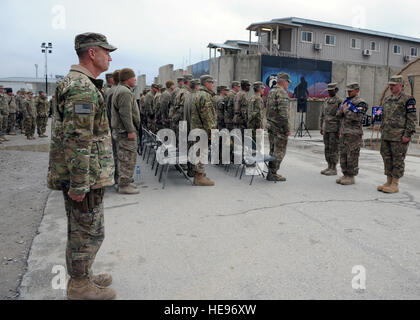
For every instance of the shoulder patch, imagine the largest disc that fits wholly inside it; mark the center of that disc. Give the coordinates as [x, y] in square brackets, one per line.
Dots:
[82, 108]
[411, 105]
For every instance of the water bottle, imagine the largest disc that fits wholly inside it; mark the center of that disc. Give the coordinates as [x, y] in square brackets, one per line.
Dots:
[138, 173]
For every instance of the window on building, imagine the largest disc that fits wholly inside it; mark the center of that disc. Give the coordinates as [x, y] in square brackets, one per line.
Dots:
[413, 52]
[356, 43]
[374, 46]
[307, 36]
[329, 40]
[397, 49]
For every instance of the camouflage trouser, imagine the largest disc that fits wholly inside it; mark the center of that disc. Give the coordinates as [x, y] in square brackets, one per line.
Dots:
[11, 123]
[199, 168]
[393, 153]
[127, 157]
[29, 126]
[4, 124]
[85, 232]
[349, 154]
[1, 125]
[278, 146]
[331, 141]
[41, 125]
[115, 153]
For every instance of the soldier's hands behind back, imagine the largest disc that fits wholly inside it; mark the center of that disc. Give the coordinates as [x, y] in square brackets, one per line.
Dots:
[131, 136]
[77, 197]
[405, 140]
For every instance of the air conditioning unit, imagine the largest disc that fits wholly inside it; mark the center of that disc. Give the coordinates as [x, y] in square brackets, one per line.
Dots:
[367, 52]
[407, 58]
[318, 46]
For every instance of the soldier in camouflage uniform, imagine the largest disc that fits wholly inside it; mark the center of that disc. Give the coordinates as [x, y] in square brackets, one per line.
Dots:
[278, 124]
[203, 116]
[330, 126]
[19, 114]
[241, 106]
[156, 107]
[256, 109]
[230, 108]
[109, 83]
[29, 112]
[125, 125]
[177, 110]
[4, 115]
[189, 104]
[81, 164]
[11, 101]
[42, 109]
[220, 103]
[180, 82]
[398, 126]
[148, 108]
[165, 103]
[351, 114]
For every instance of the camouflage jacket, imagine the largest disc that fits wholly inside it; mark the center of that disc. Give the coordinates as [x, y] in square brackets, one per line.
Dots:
[203, 114]
[29, 109]
[81, 147]
[278, 111]
[351, 115]
[229, 110]
[241, 109]
[177, 110]
[156, 106]
[148, 105]
[19, 103]
[11, 101]
[125, 115]
[108, 102]
[165, 104]
[220, 104]
[255, 112]
[399, 117]
[4, 106]
[42, 106]
[189, 102]
[328, 121]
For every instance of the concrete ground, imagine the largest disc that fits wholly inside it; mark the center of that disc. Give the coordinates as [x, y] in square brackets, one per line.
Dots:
[295, 240]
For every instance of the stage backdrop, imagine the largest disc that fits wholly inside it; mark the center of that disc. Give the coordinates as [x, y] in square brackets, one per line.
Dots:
[312, 74]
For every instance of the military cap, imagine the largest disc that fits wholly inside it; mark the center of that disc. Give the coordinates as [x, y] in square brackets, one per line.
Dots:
[188, 77]
[236, 84]
[39, 92]
[283, 76]
[223, 88]
[90, 39]
[179, 79]
[245, 82]
[195, 82]
[23, 90]
[396, 79]
[8, 90]
[258, 85]
[29, 92]
[353, 86]
[332, 86]
[126, 74]
[108, 76]
[156, 86]
[206, 78]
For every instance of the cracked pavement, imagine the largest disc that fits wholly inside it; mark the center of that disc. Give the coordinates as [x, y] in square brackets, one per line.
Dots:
[294, 240]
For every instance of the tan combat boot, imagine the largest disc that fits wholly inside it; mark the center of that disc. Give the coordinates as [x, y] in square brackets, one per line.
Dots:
[326, 170]
[102, 280]
[200, 180]
[128, 190]
[339, 179]
[332, 171]
[393, 188]
[347, 180]
[84, 289]
[387, 184]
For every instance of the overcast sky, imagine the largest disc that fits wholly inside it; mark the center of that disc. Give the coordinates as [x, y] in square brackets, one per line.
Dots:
[150, 34]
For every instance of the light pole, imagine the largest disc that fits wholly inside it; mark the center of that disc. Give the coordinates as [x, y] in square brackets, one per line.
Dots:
[46, 48]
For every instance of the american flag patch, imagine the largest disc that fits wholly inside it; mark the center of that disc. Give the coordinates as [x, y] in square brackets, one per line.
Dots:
[411, 108]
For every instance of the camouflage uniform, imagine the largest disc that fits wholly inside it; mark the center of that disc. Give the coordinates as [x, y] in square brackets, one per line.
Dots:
[165, 104]
[351, 133]
[255, 114]
[277, 125]
[220, 103]
[330, 125]
[19, 110]
[230, 108]
[203, 115]
[42, 108]
[29, 112]
[125, 119]
[81, 162]
[4, 114]
[241, 109]
[399, 119]
[12, 115]
[156, 110]
[177, 110]
[149, 112]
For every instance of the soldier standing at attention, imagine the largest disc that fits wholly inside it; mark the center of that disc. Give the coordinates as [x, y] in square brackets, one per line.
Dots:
[176, 113]
[156, 107]
[398, 126]
[203, 116]
[125, 125]
[241, 106]
[4, 111]
[42, 110]
[148, 108]
[229, 111]
[81, 164]
[30, 116]
[330, 127]
[180, 82]
[109, 83]
[19, 114]
[278, 124]
[256, 109]
[221, 106]
[166, 101]
[11, 101]
[189, 104]
[351, 114]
